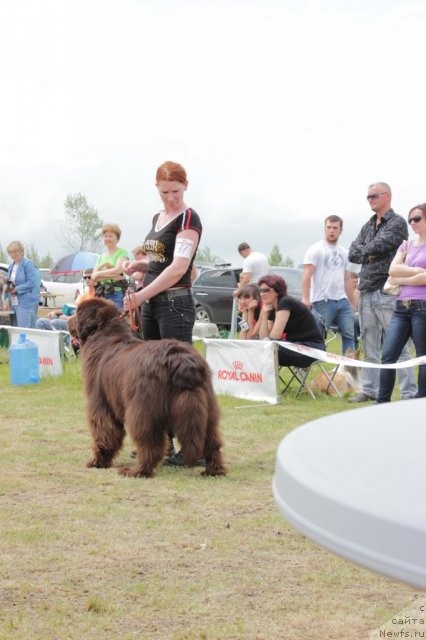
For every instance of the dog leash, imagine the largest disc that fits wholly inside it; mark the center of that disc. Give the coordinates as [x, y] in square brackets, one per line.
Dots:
[134, 311]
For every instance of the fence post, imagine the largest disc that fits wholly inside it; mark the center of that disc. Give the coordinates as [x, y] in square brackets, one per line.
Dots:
[233, 331]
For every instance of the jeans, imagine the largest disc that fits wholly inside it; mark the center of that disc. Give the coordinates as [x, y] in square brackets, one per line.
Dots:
[25, 317]
[57, 324]
[408, 320]
[169, 319]
[116, 297]
[375, 313]
[288, 358]
[340, 313]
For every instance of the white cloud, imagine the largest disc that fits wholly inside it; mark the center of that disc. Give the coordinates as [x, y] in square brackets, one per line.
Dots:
[282, 112]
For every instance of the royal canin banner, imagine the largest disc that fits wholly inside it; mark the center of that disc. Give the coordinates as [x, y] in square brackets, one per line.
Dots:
[48, 343]
[244, 368]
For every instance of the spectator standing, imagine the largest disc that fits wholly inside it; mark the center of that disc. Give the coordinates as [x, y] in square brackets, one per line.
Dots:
[374, 249]
[141, 257]
[326, 282]
[108, 271]
[409, 317]
[255, 265]
[23, 287]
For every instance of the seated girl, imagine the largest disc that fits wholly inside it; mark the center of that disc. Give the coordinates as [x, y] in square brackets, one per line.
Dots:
[249, 306]
[285, 318]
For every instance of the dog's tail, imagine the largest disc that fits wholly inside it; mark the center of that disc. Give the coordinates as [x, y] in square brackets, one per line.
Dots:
[187, 368]
[189, 419]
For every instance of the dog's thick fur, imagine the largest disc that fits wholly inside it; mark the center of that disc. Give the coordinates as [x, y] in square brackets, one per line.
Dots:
[149, 388]
[345, 380]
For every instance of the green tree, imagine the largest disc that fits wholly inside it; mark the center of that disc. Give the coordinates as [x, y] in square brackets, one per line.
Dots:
[276, 259]
[46, 261]
[3, 256]
[32, 253]
[205, 256]
[288, 262]
[81, 227]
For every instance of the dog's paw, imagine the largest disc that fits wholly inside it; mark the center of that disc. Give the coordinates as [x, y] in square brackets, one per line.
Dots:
[95, 463]
[134, 472]
[219, 471]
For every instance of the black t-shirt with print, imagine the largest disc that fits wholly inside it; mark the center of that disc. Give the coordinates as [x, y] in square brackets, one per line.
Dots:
[160, 245]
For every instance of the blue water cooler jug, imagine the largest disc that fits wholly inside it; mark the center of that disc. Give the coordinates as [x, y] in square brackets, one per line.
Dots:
[23, 361]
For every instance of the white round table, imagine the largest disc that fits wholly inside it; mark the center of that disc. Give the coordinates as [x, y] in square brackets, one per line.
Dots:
[355, 482]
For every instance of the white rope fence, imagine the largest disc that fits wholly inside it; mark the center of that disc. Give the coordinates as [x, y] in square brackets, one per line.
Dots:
[333, 358]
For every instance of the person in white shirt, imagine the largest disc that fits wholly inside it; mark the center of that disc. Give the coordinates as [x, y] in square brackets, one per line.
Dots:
[255, 265]
[326, 282]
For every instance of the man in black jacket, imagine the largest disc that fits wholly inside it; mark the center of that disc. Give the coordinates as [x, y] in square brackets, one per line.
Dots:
[374, 249]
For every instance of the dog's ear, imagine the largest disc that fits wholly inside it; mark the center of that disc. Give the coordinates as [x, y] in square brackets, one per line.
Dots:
[87, 321]
[92, 315]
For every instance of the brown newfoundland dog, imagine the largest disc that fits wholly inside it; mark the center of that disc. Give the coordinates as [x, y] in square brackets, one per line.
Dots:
[148, 388]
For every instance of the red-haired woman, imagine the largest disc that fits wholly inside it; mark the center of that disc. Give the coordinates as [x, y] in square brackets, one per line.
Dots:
[167, 305]
[288, 319]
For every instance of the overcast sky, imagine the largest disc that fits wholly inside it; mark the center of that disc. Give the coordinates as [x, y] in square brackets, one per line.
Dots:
[282, 112]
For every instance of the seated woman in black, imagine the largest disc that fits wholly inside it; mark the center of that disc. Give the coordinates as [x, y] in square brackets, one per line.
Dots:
[287, 319]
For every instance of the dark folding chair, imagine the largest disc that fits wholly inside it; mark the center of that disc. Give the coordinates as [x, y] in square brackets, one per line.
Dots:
[299, 375]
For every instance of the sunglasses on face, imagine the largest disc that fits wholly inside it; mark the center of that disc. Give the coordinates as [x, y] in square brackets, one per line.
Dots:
[415, 219]
[87, 277]
[265, 290]
[374, 196]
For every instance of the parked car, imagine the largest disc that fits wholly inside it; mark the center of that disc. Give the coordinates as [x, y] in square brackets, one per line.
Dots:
[67, 287]
[213, 289]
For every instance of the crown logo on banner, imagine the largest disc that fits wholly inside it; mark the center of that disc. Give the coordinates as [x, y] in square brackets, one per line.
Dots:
[237, 364]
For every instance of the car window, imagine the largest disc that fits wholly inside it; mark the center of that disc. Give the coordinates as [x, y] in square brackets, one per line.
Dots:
[293, 277]
[217, 279]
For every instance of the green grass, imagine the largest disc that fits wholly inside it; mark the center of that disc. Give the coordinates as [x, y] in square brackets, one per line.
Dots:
[87, 554]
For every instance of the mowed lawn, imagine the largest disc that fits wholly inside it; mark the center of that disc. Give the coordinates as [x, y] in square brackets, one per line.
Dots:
[87, 554]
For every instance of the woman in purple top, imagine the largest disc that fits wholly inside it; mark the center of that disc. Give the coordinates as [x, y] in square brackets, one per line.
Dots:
[409, 317]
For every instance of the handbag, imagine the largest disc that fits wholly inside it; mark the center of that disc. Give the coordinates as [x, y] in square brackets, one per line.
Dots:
[395, 289]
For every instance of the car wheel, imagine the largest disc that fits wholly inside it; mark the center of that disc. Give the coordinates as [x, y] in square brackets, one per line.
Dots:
[201, 315]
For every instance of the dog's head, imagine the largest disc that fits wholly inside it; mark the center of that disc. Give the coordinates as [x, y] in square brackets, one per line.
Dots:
[92, 315]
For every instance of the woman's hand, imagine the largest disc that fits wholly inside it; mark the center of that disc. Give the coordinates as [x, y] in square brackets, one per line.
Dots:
[136, 298]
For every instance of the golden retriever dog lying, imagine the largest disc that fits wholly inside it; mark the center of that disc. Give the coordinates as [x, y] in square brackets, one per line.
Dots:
[145, 388]
[345, 380]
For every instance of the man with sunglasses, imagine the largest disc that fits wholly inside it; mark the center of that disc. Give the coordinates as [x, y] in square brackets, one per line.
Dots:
[374, 249]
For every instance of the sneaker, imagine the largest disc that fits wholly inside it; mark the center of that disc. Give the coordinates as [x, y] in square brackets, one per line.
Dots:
[177, 461]
[360, 397]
